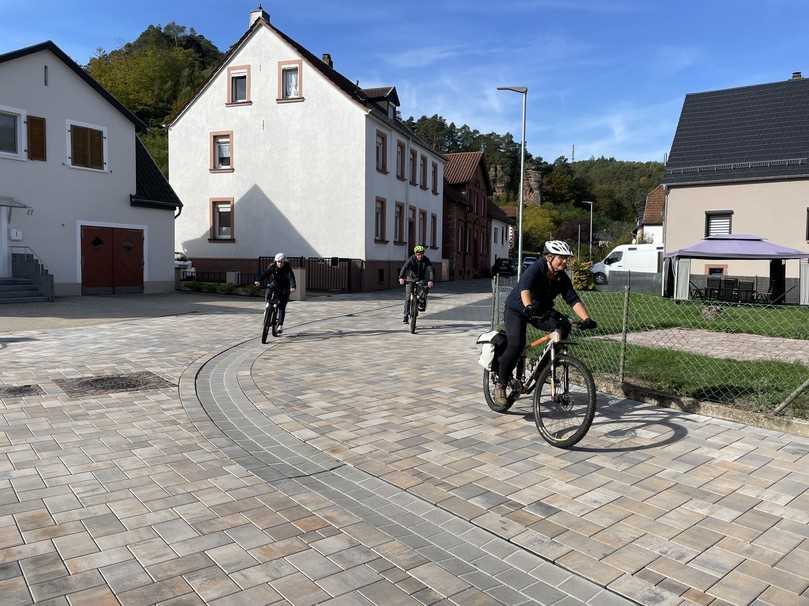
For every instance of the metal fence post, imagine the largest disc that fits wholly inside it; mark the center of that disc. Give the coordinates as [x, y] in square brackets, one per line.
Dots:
[495, 294]
[622, 364]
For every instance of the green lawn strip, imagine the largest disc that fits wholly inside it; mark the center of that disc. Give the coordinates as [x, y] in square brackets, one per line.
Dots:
[652, 312]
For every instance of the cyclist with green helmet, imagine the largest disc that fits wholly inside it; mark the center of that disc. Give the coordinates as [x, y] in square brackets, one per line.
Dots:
[417, 268]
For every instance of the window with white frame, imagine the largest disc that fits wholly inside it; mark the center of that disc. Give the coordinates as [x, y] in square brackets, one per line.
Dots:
[718, 222]
[222, 220]
[87, 146]
[379, 220]
[12, 127]
[222, 151]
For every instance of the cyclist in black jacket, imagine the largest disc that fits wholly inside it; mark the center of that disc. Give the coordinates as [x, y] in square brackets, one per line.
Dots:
[280, 276]
[417, 268]
[532, 301]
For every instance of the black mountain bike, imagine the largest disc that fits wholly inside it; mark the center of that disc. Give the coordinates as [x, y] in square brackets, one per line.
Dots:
[417, 303]
[271, 303]
[563, 388]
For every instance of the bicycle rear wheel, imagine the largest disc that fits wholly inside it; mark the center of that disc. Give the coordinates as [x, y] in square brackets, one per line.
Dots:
[563, 420]
[265, 326]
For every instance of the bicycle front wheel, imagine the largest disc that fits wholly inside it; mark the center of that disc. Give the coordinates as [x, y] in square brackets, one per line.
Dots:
[414, 311]
[274, 321]
[564, 417]
[265, 326]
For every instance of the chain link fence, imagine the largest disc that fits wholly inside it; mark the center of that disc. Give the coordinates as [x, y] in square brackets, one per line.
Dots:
[751, 356]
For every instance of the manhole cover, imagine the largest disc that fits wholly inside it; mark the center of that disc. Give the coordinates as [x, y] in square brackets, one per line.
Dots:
[20, 391]
[93, 386]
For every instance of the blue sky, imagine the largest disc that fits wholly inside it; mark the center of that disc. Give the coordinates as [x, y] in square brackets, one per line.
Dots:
[606, 75]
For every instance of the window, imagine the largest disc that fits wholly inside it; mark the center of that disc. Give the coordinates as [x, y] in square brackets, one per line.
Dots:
[423, 227]
[496, 235]
[379, 220]
[398, 223]
[290, 81]
[807, 223]
[435, 178]
[222, 151]
[424, 172]
[718, 222]
[614, 257]
[715, 270]
[222, 219]
[36, 138]
[433, 231]
[400, 160]
[87, 146]
[12, 130]
[238, 84]
[414, 166]
[381, 152]
[460, 236]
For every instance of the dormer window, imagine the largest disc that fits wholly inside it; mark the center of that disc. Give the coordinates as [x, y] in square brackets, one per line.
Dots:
[238, 84]
[290, 82]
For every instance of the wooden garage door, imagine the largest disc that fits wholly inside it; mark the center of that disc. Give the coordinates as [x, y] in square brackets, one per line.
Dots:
[112, 260]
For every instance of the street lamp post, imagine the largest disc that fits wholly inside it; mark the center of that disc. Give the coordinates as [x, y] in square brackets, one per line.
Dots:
[591, 226]
[524, 92]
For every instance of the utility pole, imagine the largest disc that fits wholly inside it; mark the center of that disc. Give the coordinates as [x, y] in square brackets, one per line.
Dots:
[573, 154]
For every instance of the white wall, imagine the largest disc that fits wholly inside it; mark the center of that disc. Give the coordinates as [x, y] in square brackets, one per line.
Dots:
[298, 179]
[499, 250]
[652, 234]
[393, 190]
[60, 196]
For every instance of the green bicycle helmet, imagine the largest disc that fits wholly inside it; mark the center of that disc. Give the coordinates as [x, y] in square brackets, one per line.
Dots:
[418, 248]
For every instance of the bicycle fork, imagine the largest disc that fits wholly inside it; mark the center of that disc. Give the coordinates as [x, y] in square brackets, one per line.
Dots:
[555, 338]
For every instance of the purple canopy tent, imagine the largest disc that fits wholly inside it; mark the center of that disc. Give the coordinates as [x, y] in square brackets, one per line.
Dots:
[731, 246]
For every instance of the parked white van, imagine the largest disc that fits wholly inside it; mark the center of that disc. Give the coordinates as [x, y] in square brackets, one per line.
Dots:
[646, 258]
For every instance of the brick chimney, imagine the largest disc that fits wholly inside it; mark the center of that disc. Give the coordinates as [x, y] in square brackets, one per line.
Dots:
[327, 60]
[797, 76]
[258, 13]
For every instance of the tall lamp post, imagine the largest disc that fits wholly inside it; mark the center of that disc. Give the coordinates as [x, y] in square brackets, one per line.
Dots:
[524, 92]
[591, 225]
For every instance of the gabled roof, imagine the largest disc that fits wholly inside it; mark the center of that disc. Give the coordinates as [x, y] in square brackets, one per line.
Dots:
[351, 89]
[81, 73]
[655, 205]
[383, 93]
[742, 134]
[460, 168]
[152, 189]
[495, 212]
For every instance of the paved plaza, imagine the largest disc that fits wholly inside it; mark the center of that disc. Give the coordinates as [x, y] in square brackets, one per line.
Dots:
[167, 457]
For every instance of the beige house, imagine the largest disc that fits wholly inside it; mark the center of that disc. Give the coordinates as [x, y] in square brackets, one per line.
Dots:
[739, 164]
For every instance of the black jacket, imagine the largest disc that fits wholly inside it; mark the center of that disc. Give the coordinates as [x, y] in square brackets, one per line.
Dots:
[543, 289]
[414, 270]
[283, 276]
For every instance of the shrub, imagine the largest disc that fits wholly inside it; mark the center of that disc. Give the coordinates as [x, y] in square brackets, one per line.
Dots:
[227, 289]
[194, 285]
[582, 276]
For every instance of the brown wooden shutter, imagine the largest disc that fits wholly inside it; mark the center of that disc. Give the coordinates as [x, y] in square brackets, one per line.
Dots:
[36, 138]
[96, 141]
[79, 152]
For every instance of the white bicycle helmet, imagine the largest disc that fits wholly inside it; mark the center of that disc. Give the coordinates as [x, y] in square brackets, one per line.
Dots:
[280, 257]
[558, 247]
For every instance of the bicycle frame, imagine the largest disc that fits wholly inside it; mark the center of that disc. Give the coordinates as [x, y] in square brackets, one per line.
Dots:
[548, 355]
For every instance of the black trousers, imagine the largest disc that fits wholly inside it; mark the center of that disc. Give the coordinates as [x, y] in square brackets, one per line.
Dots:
[516, 325]
[408, 289]
[283, 299]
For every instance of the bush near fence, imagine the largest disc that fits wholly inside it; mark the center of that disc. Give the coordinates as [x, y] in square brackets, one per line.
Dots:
[672, 361]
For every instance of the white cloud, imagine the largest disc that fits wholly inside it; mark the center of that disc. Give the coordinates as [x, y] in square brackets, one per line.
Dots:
[422, 57]
[672, 59]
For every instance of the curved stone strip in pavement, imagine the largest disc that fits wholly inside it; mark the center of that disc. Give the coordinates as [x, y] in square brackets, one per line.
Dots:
[450, 555]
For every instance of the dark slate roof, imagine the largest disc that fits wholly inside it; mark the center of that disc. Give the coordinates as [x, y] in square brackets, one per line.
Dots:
[383, 93]
[81, 73]
[495, 212]
[742, 134]
[152, 189]
[461, 168]
[340, 81]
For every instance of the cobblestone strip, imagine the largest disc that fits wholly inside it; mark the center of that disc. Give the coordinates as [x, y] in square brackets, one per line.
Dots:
[434, 547]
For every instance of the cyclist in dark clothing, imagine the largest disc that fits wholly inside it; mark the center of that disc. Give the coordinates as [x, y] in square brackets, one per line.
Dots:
[280, 276]
[416, 269]
[532, 301]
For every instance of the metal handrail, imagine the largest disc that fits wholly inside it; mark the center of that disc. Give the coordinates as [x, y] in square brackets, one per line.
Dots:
[35, 253]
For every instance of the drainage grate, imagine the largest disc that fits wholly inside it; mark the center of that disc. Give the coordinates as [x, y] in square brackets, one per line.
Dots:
[96, 386]
[20, 391]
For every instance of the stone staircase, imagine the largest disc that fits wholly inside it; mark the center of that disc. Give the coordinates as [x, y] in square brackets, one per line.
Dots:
[20, 290]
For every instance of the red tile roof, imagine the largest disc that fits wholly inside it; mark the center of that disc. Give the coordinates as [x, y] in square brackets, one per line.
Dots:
[460, 167]
[497, 212]
[655, 203]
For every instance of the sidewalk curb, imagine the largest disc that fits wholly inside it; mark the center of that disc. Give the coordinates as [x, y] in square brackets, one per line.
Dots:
[710, 409]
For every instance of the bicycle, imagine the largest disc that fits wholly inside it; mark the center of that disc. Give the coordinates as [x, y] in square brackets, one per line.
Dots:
[564, 391]
[271, 303]
[417, 303]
